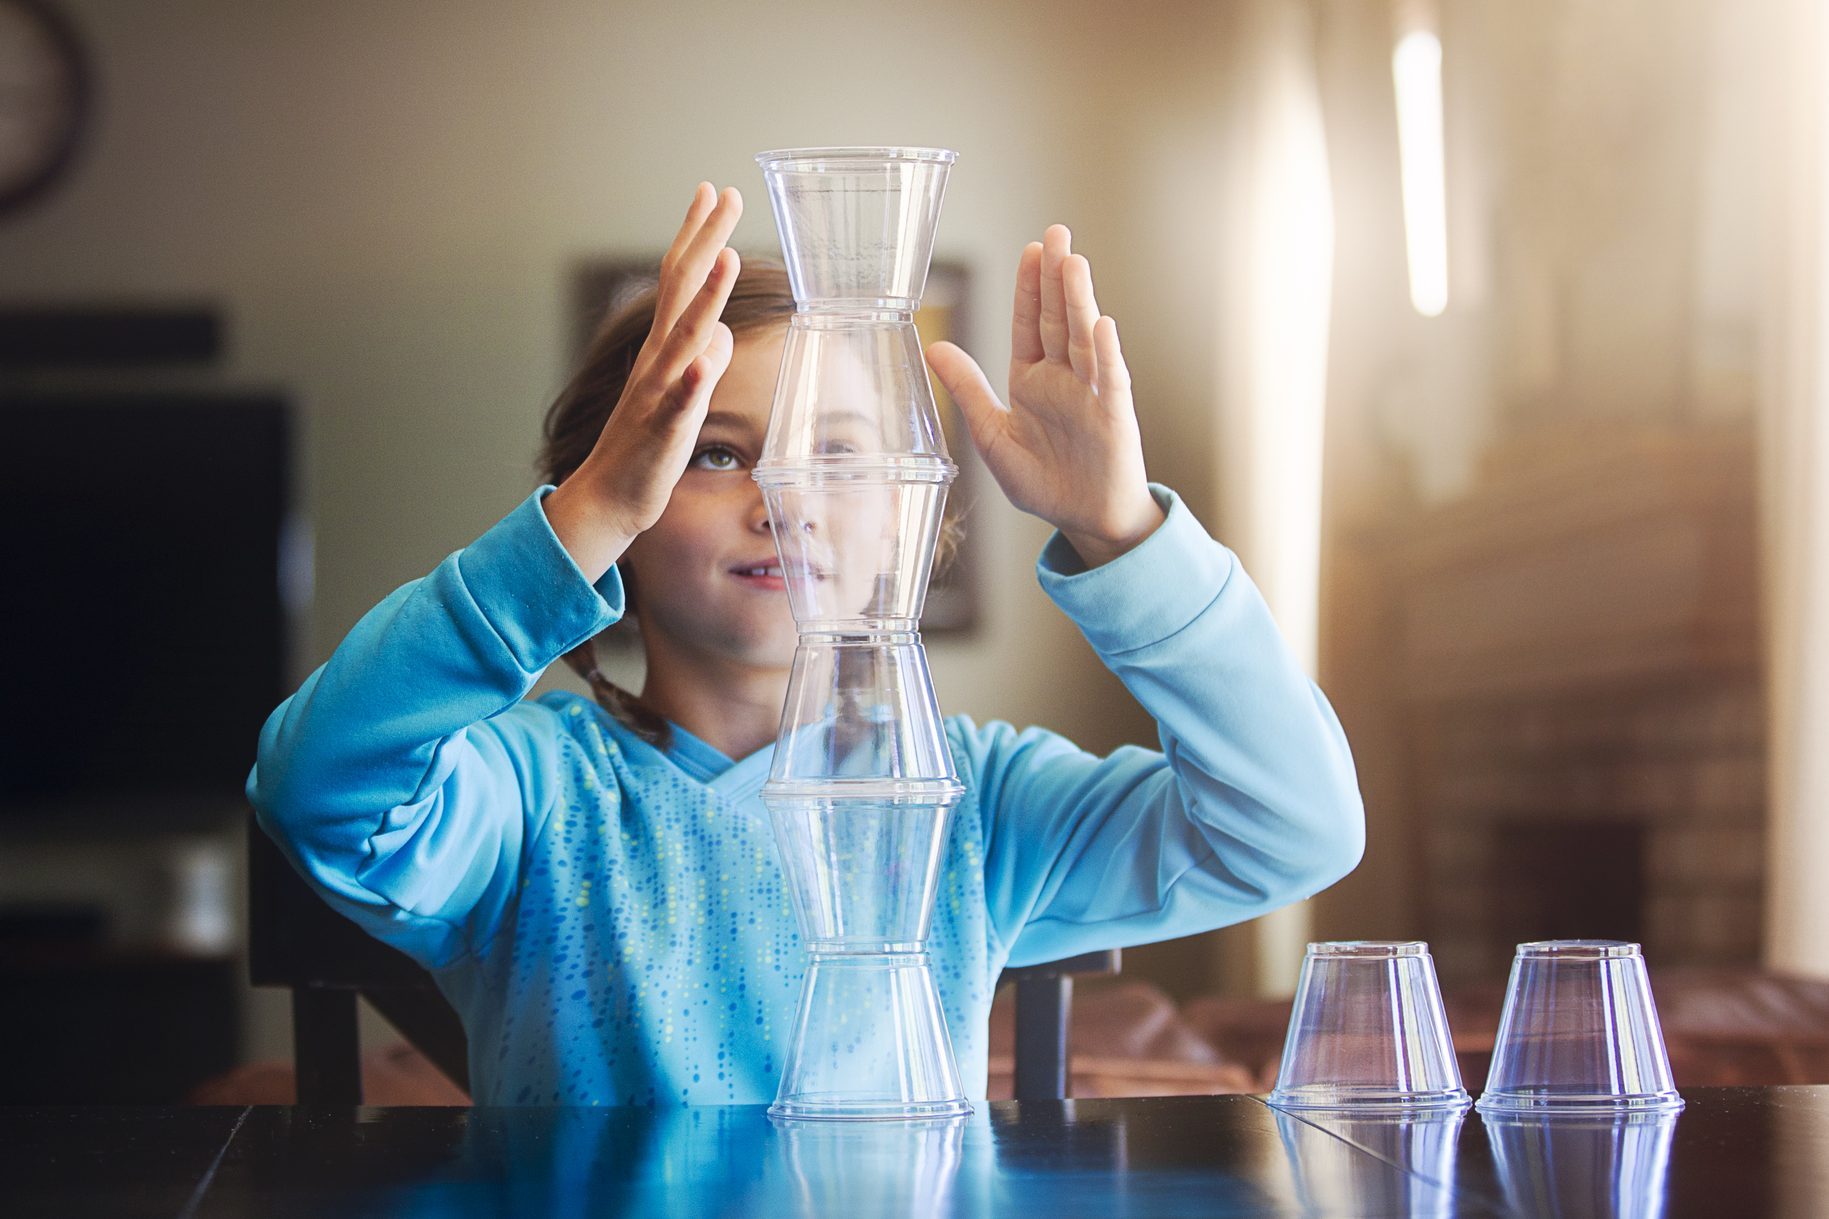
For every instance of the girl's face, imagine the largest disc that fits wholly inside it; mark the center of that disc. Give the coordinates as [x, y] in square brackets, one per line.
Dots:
[707, 580]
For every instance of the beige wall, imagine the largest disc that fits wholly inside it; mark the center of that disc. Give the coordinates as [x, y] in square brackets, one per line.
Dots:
[385, 200]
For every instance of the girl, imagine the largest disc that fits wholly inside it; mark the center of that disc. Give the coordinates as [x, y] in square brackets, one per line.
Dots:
[594, 883]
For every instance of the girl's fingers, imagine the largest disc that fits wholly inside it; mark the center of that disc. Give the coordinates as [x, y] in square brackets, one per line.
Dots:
[1057, 242]
[686, 265]
[698, 322]
[966, 382]
[704, 198]
[1113, 381]
[693, 389]
[1026, 318]
[1082, 315]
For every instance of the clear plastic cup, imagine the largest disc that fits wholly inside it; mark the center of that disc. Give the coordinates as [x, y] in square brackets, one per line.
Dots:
[854, 471]
[1579, 1034]
[852, 386]
[870, 1042]
[857, 224]
[857, 541]
[1368, 1032]
[862, 871]
[1612, 1167]
[860, 714]
[870, 1039]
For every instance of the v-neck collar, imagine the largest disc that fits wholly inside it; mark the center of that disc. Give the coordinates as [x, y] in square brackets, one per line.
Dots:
[735, 781]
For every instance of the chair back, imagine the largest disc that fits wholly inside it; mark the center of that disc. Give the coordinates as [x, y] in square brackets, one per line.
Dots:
[297, 941]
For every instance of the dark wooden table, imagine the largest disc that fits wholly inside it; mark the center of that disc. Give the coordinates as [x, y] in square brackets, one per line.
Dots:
[1733, 1152]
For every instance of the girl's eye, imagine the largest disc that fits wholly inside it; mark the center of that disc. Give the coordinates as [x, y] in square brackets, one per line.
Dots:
[716, 457]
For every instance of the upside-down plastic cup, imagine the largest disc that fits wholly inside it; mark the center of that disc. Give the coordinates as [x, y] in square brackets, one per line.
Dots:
[857, 541]
[860, 711]
[855, 472]
[1368, 1033]
[851, 386]
[1579, 1034]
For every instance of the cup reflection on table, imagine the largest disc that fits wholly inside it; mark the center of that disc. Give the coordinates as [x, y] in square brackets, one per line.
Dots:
[702, 1160]
[891, 1168]
[1591, 1167]
[1334, 1175]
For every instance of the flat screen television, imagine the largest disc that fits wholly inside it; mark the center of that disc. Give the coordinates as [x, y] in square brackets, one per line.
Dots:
[143, 553]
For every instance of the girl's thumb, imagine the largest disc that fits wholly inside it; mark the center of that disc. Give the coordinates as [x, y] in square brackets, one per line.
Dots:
[967, 384]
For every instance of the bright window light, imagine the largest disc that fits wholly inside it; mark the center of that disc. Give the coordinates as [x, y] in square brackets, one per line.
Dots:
[1417, 67]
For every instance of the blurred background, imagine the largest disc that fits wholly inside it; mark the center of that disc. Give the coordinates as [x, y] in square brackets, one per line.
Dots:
[1490, 335]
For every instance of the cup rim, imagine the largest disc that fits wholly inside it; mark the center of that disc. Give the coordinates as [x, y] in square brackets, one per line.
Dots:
[1373, 950]
[1525, 1102]
[1611, 1117]
[935, 790]
[785, 158]
[1580, 950]
[1370, 1100]
[819, 468]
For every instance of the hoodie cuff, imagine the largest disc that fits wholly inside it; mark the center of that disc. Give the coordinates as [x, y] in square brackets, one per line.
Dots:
[531, 592]
[1146, 594]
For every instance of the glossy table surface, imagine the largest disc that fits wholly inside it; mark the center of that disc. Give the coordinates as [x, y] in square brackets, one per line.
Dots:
[1733, 1151]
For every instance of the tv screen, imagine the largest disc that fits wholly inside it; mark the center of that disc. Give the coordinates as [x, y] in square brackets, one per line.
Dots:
[142, 538]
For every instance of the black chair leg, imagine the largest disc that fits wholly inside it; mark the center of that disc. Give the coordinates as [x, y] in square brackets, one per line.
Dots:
[1043, 1005]
[325, 1047]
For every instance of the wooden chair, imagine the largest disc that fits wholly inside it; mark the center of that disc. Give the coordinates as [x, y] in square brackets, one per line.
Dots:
[298, 942]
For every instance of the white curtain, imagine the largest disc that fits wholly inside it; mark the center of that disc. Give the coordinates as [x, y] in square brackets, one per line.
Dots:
[1795, 484]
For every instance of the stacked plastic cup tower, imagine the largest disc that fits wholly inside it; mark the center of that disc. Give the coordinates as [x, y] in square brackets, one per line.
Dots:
[855, 471]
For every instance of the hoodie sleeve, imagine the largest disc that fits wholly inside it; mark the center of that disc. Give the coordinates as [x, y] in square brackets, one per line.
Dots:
[1251, 804]
[406, 775]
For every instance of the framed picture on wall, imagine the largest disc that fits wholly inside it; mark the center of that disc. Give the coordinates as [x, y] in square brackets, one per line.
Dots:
[602, 287]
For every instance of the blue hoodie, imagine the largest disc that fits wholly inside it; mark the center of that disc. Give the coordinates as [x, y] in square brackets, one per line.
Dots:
[609, 918]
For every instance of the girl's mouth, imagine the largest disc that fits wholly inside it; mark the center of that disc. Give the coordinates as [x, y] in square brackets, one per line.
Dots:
[761, 576]
[772, 576]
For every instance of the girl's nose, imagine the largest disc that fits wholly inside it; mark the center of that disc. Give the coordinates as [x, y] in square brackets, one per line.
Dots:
[759, 521]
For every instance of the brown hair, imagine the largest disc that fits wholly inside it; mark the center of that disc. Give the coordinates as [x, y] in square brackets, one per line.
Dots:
[760, 299]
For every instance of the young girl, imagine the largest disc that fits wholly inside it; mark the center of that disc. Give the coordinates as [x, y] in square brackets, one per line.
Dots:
[594, 884]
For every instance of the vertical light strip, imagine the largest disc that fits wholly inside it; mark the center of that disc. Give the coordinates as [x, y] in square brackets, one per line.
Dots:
[1416, 66]
[1794, 421]
[1276, 364]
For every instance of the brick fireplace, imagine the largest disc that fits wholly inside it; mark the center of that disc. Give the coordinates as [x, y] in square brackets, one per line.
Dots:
[1574, 683]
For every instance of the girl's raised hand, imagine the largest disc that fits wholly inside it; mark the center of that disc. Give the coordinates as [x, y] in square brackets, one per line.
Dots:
[1067, 447]
[625, 483]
